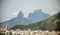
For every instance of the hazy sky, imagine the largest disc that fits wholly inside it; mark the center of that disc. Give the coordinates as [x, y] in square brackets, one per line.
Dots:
[10, 8]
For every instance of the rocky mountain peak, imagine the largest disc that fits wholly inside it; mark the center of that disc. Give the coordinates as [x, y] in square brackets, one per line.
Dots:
[20, 15]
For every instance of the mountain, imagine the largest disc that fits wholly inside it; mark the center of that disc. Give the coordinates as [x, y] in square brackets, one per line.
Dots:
[37, 16]
[34, 17]
[20, 19]
[42, 25]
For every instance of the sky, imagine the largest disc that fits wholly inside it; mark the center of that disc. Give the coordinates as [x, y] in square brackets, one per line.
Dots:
[10, 8]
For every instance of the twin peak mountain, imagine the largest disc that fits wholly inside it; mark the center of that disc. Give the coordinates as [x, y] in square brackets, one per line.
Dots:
[36, 16]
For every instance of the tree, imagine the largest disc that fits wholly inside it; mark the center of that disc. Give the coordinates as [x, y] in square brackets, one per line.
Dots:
[58, 15]
[58, 22]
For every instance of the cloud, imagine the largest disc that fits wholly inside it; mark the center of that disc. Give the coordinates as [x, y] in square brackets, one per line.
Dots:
[14, 14]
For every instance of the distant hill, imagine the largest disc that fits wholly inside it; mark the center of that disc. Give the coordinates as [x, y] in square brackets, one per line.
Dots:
[20, 19]
[42, 25]
[36, 16]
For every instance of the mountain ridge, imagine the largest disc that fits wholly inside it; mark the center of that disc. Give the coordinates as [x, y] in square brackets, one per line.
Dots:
[20, 19]
[42, 25]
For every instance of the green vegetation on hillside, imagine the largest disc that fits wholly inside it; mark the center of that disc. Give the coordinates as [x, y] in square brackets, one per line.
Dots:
[43, 25]
[18, 27]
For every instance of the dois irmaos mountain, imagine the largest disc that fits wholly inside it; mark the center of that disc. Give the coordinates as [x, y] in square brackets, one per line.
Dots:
[36, 16]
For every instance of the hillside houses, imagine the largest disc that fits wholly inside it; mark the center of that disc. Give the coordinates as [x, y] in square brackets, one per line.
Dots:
[28, 32]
